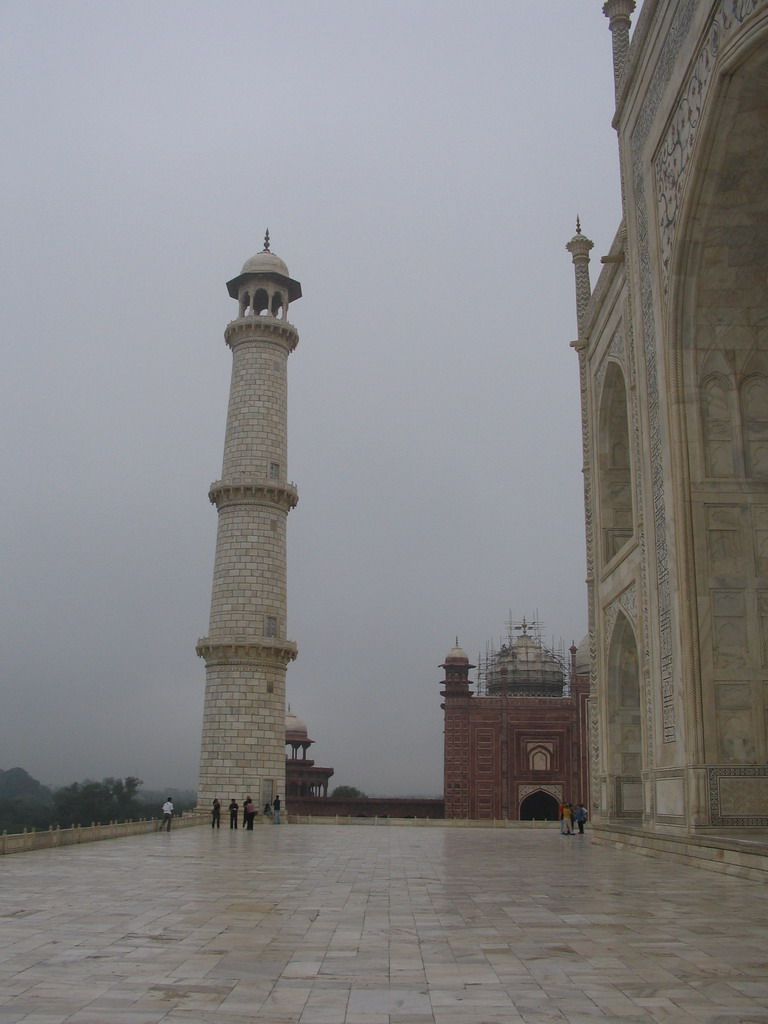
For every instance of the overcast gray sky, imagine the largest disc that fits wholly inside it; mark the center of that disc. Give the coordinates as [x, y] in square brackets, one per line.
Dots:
[420, 167]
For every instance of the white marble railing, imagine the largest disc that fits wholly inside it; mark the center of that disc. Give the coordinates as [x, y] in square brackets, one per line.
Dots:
[351, 819]
[31, 839]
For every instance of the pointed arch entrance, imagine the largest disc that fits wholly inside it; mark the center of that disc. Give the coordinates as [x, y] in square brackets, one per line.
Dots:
[539, 806]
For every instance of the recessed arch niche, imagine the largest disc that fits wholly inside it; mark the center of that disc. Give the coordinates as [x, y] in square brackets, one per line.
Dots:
[624, 711]
[614, 467]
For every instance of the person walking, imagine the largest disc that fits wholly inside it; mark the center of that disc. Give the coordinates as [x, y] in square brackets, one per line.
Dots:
[216, 813]
[580, 816]
[276, 811]
[249, 811]
[234, 807]
[167, 815]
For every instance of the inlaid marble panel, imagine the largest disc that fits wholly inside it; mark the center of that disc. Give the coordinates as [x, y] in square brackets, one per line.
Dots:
[729, 640]
[630, 734]
[724, 540]
[730, 696]
[760, 534]
[742, 795]
[735, 736]
[670, 796]
[754, 400]
[631, 794]
[762, 610]
[717, 427]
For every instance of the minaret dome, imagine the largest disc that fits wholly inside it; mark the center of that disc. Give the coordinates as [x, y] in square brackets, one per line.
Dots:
[264, 287]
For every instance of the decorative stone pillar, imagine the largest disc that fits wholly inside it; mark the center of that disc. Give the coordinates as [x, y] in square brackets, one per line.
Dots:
[579, 248]
[246, 651]
[619, 13]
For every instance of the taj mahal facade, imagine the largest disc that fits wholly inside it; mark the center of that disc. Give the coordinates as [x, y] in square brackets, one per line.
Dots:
[673, 359]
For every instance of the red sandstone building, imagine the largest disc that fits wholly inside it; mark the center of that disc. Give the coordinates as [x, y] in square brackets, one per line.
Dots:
[518, 747]
[303, 778]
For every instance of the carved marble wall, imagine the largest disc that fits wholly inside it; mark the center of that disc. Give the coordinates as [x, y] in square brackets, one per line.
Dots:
[673, 359]
[725, 370]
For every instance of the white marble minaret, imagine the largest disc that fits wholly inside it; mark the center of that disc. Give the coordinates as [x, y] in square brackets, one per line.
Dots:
[246, 651]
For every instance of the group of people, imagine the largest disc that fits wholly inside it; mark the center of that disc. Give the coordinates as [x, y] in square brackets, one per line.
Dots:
[271, 810]
[570, 816]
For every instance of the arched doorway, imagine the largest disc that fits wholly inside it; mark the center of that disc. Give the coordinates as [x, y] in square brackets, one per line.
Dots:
[539, 806]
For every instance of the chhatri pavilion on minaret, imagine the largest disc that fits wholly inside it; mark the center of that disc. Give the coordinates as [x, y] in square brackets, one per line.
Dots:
[246, 651]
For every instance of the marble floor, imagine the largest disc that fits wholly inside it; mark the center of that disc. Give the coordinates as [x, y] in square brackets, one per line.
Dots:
[335, 924]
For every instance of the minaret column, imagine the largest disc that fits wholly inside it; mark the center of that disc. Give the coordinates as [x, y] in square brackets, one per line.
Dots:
[579, 247]
[246, 650]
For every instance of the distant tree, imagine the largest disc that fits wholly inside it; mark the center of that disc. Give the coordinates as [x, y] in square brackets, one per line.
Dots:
[24, 802]
[124, 794]
[347, 792]
[100, 802]
[16, 783]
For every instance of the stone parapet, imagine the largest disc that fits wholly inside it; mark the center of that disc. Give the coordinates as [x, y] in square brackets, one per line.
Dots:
[415, 821]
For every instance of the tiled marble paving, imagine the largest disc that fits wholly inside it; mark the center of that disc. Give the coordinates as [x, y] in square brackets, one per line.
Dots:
[326, 924]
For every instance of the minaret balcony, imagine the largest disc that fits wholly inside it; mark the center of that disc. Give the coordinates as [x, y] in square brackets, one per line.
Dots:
[254, 492]
[239, 649]
[261, 328]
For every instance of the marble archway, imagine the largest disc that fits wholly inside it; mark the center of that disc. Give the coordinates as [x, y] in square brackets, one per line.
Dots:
[719, 301]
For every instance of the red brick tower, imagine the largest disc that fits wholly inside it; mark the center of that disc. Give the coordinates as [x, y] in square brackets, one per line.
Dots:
[456, 736]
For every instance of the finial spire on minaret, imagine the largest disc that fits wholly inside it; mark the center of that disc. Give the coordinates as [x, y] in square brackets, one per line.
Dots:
[266, 241]
[579, 247]
[619, 13]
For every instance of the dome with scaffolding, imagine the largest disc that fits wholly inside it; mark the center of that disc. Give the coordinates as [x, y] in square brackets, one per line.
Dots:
[525, 667]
